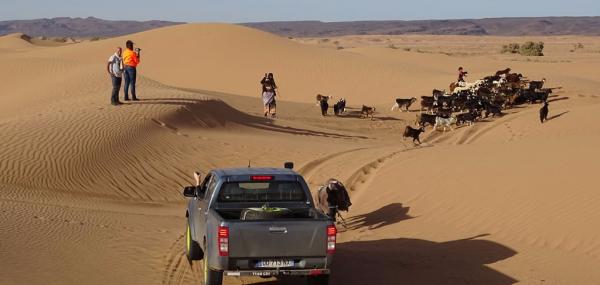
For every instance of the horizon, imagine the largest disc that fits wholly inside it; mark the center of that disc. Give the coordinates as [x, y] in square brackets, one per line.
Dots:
[280, 11]
[307, 20]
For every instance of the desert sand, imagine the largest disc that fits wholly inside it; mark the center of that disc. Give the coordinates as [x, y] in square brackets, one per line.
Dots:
[91, 193]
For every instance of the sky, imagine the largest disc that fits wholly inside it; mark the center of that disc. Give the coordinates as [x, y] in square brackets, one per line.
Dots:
[237, 11]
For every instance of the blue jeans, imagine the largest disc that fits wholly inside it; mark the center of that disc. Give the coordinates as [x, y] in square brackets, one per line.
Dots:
[130, 76]
[116, 83]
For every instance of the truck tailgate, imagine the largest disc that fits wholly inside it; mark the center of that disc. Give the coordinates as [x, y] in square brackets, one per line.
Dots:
[292, 238]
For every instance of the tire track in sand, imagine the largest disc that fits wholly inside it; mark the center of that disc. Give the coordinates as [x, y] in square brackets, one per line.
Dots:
[472, 136]
[176, 267]
[309, 168]
[364, 174]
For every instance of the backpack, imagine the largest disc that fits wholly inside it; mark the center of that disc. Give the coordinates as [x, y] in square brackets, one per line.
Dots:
[115, 66]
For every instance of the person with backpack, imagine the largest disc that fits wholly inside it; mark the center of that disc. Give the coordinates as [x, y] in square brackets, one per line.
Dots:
[268, 94]
[115, 71]
[131, 59]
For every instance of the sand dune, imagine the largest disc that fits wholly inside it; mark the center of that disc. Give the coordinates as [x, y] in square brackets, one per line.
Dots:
[89, 193]
[14, 42]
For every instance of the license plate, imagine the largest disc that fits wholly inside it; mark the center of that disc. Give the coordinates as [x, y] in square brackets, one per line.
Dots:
[275, 263]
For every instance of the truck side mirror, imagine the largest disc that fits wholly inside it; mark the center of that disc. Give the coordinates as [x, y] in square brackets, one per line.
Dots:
[189, 191]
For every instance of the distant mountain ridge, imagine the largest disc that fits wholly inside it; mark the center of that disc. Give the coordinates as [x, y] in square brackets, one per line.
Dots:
[535, 26]
[78, 27]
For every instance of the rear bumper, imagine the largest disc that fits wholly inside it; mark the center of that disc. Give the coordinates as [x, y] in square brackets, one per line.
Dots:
[281, 272]
[237, 264]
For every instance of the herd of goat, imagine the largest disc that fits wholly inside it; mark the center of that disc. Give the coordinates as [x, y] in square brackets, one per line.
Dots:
[340, 107]
[465, 103]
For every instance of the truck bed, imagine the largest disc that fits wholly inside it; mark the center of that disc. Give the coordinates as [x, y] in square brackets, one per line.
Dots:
[303, 234]
[235, 214]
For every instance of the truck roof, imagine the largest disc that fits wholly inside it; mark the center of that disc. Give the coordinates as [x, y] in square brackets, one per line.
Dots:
[253, 171]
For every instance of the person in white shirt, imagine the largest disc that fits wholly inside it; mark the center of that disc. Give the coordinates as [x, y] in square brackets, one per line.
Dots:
[115, 70]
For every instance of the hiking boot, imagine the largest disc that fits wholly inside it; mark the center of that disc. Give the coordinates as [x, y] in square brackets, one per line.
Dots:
[126, 99]
[136, 99]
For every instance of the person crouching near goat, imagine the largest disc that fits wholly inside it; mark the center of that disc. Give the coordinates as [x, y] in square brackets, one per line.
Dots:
[268, 94]
[461, 75]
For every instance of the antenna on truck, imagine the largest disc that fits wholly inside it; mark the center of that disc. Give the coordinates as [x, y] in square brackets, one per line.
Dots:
[249, 163]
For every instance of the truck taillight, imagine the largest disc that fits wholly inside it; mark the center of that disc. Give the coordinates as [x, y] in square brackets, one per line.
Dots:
[223, 241]
[331, 235]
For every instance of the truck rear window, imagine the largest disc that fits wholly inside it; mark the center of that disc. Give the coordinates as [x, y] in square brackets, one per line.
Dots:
[268, 191]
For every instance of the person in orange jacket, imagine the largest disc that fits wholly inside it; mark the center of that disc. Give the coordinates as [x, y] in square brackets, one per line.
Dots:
[131, 59]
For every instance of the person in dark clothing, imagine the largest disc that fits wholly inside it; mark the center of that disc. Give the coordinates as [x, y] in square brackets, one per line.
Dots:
[268, 94]
[461, 74]
[115, 70]
[131, 59]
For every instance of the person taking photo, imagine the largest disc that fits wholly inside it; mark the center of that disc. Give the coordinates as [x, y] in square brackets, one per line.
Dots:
[131, 59]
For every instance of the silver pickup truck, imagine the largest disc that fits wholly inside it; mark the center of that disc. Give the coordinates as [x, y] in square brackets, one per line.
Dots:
[258, 222]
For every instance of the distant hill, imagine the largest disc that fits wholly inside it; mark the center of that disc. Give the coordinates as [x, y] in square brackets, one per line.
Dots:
[94, 27]
[78, 27]
[493, 26]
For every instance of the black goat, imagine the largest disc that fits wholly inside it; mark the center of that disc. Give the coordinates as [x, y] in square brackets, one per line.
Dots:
[544, 112]
[339, 107]
[424, 119]
[427, 103]
[467, 118]
[492, 109]
[400, 103]
[410, 132]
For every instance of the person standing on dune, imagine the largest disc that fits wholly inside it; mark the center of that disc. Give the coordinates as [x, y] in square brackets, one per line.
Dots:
[268, 94]
[131, 59]
[115, 70]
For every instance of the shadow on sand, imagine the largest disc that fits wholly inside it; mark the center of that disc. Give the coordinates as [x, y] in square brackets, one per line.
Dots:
[417, 262]
[557, 115]
[359, 115]
[385, 216]
[216, 113]
[558, 99]
[412, 261]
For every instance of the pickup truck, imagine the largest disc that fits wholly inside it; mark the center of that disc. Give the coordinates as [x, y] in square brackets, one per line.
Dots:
[258, 222]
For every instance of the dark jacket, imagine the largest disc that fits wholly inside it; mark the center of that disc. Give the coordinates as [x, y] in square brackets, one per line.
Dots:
[268, 84]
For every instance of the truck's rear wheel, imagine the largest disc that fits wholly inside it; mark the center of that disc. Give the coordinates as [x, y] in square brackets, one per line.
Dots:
[192, 249]
[211, 277]
[318, 280]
